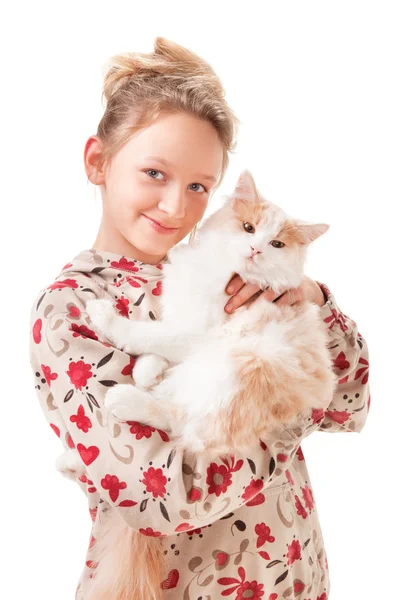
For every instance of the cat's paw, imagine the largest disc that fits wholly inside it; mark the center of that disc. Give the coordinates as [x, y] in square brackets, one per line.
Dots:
[70, 464]
[101, 313]
[120, 401]
[149, 370]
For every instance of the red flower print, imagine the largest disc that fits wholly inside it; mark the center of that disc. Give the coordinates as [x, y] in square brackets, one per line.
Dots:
[244, 589]
[323, 596]
[196, 531]
[79, 373]
[281, 457]
[129, 367]
[140, 430]
[289, 476]
[73, 311]
[194, 495]
[299, 453]
[341, 362]
[122, 305]
[182, 527]
[48, 375]
[308, 497]
[317, 414]
[83, 331]
[294, 552]
[219, 478]
[37, 331]
[300, 508]
[157, 291]
[252, 489]
[298, 586]
[93, 513]
[66, 283]
[67, 266]
[364, 370]
[155, 481]
[150, 532]
[55, 429]
[258, 499]
[134, 281]
[264, 534]
[336, 317]
[113, 485]
[82, 421]
[338, 416]
[123, 264]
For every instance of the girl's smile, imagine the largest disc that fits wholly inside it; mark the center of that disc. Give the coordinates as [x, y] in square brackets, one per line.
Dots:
[159, 227]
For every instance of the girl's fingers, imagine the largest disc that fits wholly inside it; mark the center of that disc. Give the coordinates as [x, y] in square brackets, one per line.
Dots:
[247, 291]
[291, 297]
[234, 285]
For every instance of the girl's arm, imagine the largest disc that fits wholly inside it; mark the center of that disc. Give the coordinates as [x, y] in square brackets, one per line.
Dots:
[350, 404]
[134, 467]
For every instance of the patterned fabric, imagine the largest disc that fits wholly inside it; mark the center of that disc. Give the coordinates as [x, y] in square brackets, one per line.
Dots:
[243, 527]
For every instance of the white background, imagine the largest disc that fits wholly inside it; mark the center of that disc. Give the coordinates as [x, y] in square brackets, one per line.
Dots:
[316, 86]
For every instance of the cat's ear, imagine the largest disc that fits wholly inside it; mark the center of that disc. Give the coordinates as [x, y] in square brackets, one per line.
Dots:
[308, 232]
[245, 187]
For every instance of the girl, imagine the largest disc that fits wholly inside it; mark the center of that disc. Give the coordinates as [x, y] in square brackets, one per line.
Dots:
[248, 526]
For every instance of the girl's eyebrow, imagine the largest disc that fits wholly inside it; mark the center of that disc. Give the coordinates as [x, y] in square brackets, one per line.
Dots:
[168, 164]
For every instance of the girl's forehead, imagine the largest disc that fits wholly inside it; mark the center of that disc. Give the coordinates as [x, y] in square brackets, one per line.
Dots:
[167, 129]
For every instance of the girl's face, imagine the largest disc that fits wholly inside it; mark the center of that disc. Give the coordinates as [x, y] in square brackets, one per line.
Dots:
[157, 186]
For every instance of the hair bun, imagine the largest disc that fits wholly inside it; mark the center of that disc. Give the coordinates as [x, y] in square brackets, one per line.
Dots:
[168, 60]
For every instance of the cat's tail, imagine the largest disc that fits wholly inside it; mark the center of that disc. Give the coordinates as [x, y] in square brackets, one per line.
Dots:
[129, 565]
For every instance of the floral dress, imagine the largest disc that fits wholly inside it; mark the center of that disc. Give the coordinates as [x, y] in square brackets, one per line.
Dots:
[239, 527]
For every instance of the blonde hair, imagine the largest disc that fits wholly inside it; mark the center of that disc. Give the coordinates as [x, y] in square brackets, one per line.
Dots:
[137, 87]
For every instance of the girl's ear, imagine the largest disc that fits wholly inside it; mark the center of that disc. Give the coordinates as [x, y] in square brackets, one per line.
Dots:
[245, 187]
[92, 153]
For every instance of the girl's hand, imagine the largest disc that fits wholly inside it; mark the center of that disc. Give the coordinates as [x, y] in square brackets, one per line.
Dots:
[241, 292]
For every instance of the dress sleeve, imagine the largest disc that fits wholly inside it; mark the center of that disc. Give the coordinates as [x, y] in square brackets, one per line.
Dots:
[154, 487]
[350, 404]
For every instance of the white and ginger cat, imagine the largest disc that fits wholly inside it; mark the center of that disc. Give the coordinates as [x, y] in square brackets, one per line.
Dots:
[215, 382]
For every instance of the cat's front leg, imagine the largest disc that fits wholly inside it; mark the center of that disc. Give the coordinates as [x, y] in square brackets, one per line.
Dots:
[128, 403]
[70, 464]
[110, 324]
[138, 337]
[149, 370]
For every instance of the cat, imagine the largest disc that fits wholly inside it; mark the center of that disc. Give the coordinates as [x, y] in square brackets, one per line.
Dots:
[215, 382]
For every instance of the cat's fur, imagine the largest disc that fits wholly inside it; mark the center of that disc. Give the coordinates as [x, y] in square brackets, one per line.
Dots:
[234, 378]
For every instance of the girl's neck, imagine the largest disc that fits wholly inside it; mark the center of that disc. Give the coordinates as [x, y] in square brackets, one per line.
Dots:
[110, 240]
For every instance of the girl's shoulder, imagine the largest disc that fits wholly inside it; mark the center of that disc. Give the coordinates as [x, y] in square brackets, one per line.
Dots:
[134, 287]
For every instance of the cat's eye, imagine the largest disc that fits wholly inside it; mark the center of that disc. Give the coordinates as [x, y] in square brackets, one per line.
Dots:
[248, 227]
[277, 244]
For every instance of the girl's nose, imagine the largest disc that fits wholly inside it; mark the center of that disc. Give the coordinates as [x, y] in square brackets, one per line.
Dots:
[173, 203]
[254, 251]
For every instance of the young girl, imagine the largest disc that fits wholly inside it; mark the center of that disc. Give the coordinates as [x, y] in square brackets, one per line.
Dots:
[247, 526]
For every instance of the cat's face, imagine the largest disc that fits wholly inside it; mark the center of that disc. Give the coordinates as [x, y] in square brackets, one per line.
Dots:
[271, 245]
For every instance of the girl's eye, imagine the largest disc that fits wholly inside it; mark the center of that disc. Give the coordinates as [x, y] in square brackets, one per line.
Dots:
[277, 244]
[248, 227]
[204, 189]
[153, 171]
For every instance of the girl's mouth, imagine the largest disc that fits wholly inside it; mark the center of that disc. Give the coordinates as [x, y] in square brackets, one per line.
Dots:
[159, 227]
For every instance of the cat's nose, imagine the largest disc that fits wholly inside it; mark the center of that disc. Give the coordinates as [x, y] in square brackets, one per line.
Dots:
[254, 251]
